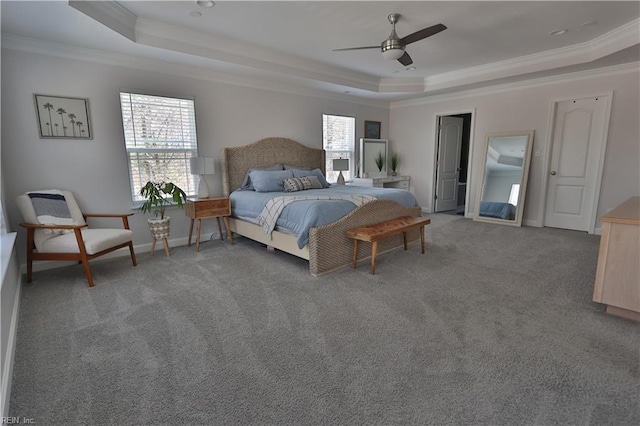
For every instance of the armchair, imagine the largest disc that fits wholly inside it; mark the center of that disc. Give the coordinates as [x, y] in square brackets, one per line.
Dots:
[57, 230]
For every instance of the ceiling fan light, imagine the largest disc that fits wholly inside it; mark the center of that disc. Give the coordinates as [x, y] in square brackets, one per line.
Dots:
[393, 54]
[392, 48]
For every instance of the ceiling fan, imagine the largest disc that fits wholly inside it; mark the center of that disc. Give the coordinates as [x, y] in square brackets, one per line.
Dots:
[394, 46]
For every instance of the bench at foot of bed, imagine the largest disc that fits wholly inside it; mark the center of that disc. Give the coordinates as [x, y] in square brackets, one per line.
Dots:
[378, 231]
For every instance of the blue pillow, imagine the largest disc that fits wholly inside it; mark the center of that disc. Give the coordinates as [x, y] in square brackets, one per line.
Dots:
[246, 183]
[288, 166]
[269, 180]
[315, 172]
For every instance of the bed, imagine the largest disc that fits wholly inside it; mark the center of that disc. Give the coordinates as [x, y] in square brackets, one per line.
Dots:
[328, 248]
[498, 210]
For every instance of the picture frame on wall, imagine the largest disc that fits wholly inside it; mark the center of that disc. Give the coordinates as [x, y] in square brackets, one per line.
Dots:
[372, 129]
[61, 117]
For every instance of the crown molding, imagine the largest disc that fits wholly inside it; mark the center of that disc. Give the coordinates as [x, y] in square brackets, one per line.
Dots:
[633, 67]
[621, 38]
[401, 85]
[170, 37]
[110, 14]
[29, 45]
[179, 39]
[165, 36]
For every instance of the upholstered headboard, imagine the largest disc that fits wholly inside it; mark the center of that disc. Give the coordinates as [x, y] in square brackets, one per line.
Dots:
[264, 153]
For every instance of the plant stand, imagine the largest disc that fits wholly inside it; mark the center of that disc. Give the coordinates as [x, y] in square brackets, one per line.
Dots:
[159, 231]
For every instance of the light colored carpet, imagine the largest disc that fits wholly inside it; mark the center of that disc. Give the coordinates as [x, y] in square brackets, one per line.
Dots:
[493, 325]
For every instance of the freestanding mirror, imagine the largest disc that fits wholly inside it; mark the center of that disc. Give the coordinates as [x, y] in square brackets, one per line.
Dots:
[370, 150]
[502, 189]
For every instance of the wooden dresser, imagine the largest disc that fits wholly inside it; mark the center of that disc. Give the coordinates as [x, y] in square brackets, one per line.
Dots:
[618, 275]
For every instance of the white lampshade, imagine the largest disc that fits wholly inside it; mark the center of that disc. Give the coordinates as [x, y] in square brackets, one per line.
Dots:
[202, 165]
[341, 164]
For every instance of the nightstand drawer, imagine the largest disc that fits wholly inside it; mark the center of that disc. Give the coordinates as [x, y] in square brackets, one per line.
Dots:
[208, 207]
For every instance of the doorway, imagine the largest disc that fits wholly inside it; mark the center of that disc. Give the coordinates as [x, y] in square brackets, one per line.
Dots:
[577, 146]
[453, 143]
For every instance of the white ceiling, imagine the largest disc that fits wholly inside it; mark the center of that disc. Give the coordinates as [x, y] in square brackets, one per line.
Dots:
[291, 42]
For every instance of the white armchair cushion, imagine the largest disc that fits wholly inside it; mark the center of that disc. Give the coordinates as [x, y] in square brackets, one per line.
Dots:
[95, 240]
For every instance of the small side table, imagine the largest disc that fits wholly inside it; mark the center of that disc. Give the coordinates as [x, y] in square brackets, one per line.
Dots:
[205, 208]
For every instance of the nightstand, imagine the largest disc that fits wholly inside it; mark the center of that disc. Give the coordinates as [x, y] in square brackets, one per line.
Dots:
[205, 208]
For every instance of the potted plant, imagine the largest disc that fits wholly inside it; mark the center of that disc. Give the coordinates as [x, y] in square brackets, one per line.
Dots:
[158, 196]
[395, 162]
[379, 160]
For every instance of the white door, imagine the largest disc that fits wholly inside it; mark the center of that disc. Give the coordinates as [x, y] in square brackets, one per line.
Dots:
[448, 165]
[578, 141]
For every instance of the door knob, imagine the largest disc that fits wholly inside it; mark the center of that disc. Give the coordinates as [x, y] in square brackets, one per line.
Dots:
[553, 173]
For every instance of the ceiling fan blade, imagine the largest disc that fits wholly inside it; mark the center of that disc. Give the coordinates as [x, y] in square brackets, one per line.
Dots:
[424, 33]
[405, 59]
[357, 48]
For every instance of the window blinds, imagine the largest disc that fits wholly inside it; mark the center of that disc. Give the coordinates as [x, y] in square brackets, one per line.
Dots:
[160, 138]
[338, 132]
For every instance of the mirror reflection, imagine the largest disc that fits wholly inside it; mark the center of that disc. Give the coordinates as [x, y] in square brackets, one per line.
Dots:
[503, 187]
[373, 157]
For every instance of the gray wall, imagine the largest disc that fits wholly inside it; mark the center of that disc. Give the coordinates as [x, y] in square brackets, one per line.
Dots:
[96, 170]
[498, 185]
[525, 106]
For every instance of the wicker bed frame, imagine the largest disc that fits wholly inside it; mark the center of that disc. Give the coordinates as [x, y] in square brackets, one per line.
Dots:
[329, 248]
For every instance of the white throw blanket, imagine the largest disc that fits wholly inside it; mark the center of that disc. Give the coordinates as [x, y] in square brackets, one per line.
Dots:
[272, 210]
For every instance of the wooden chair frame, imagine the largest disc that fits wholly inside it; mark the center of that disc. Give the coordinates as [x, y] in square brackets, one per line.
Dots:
[82, 257]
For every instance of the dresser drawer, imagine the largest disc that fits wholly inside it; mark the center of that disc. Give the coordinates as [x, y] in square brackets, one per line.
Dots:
[403, 184]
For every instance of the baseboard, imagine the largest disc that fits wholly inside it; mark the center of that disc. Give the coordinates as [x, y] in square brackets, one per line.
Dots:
[43, 265]
[7, 368]
[531, 223]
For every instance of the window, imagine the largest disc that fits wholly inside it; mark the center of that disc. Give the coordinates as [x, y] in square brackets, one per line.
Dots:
[338, 140]
[513, 195]
[160, 137]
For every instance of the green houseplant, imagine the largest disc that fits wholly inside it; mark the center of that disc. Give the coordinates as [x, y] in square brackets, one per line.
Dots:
[379, 160]
[158, 196]
[394, 161]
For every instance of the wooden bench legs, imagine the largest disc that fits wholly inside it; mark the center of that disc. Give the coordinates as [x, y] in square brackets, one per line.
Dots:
[374, 250]
[374, 233]
[374, 253]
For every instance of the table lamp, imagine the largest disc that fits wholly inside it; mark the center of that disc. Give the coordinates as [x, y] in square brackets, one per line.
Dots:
[202, 166]
[340, 165]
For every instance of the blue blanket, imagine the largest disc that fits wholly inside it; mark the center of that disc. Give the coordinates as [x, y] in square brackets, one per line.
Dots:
[300, 216]
[499, 210]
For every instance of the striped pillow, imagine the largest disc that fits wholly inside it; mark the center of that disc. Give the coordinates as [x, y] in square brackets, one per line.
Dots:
[301, 184]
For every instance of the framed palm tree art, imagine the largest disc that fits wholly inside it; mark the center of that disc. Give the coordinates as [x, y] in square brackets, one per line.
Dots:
[63, 117]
